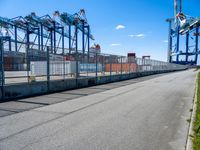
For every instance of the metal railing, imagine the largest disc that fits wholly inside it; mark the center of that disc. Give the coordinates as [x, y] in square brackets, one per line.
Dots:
[32, 65]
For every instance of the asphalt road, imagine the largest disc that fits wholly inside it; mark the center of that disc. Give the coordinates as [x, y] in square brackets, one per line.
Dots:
[148, 115]
[20, 105]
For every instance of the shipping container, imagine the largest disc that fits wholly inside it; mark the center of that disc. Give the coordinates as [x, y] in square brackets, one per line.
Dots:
[39, 68]
[125, 67]
[91, 67]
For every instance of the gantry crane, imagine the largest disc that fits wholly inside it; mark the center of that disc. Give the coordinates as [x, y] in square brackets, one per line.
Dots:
[80, 23]
[35, 38]
[181, 26]
[46, 29]
[11, 28]
[49, 27]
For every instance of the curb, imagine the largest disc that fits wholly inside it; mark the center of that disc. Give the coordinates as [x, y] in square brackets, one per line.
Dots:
[190, 132]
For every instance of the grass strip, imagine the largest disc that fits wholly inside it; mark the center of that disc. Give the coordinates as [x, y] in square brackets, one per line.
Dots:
[196, 123]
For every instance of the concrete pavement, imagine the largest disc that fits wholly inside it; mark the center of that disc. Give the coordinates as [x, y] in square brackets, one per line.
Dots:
[149, 115]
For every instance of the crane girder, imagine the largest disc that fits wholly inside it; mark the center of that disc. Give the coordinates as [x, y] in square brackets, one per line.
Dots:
[45, 21]
[74, 20]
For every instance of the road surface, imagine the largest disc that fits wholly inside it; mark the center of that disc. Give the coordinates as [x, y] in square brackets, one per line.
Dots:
[148, 115]
[20, 105]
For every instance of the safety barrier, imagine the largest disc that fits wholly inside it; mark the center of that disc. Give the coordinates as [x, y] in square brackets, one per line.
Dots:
[40, 72]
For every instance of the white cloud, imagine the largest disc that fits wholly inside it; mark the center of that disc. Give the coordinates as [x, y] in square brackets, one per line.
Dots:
[131, 35]
[137, 35]
[115, 44]
[118, 27]
[165, 41]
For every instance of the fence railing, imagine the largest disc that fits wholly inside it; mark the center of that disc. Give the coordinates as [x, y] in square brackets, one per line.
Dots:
[32, 65]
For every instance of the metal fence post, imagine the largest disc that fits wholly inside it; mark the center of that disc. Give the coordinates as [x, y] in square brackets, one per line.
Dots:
[76, 57]
[102, 66]
[88, 46]
[48, 69]
[27, 54]
[129, 68]
[2, 76]
[110, 65]
[88, 58]
[121, 67]
[63, 52]
[136, 65]
[196, 44]
[64, 72]
[96, 66]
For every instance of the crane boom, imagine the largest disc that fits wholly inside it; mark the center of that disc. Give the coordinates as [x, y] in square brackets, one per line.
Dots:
[75, 19]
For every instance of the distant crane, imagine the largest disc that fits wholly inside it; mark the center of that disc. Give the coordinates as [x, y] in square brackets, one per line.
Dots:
[80, 23]
[186, 26]
[185, 22]
[38, 32]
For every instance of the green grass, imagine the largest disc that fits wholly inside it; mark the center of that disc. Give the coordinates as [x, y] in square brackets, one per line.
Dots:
[197, 68]
[196, 124]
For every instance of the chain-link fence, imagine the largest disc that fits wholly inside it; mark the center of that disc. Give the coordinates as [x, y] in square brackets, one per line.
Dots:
[33, 65]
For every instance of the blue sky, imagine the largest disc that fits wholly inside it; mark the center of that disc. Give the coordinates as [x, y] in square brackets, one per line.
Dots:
[141, 23]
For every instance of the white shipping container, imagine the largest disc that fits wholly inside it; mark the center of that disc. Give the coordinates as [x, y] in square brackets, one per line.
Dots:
[39, 68]
[146, 68]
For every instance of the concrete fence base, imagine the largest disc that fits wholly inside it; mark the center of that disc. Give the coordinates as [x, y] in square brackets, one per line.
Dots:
[38, 88]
